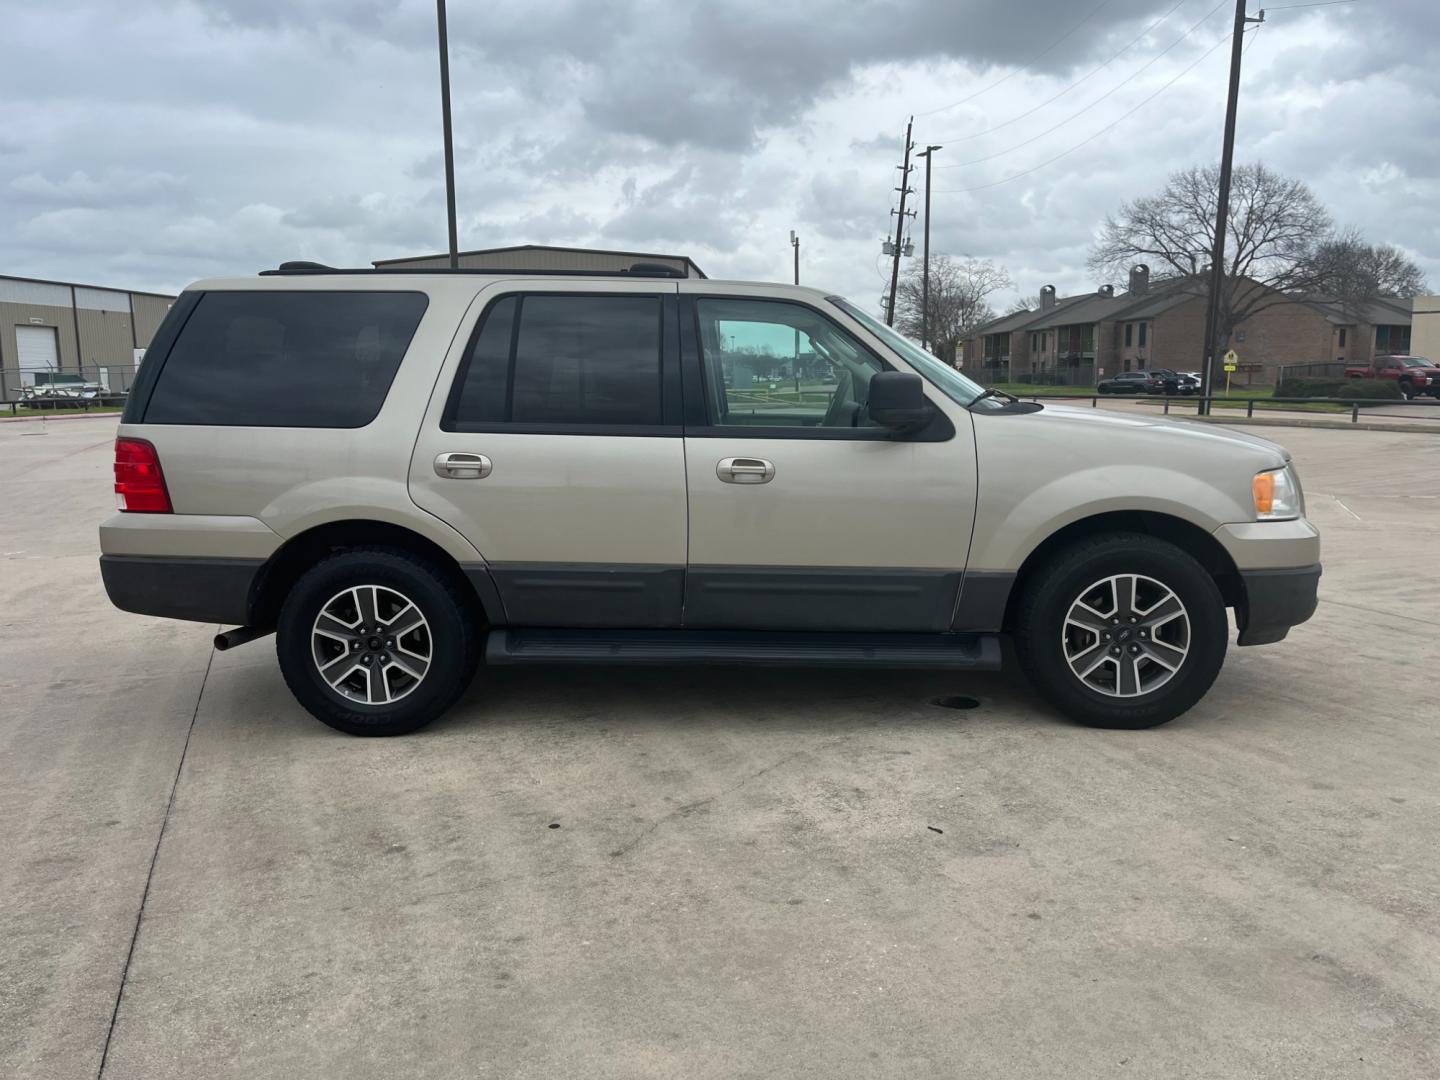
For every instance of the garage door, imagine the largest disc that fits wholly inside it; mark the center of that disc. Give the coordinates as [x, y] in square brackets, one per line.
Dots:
[39, 350]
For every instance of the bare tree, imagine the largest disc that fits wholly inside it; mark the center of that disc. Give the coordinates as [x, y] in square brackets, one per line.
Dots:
[959, 300]
[1024, 303]
[1351, 269]
[1275, 224]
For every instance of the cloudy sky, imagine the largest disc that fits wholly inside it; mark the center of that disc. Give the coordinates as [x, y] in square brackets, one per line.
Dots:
[149, 143]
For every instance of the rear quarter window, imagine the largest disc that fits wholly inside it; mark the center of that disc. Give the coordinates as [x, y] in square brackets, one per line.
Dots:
[285, 359]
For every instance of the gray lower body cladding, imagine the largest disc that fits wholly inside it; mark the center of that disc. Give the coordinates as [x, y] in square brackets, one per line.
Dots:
[1274, 601]
[200, 590]
[765, 599]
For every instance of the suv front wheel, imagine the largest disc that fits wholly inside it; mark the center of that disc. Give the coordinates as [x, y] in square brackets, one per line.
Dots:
[1122, 631]
[376, 641]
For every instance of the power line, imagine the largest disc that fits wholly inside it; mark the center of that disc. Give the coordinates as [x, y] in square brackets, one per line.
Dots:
[1318, 3]
[1089, 74]
[1108, 127]
[1015, 71]
[1090, 105]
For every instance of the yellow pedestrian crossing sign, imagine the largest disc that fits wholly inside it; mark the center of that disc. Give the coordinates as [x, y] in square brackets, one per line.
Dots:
[1231, 359]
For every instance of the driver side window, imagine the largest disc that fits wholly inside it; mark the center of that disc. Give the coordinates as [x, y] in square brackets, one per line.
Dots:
[773, 364]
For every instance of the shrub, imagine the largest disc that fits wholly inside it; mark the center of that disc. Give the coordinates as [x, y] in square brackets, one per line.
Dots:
[1345, 389]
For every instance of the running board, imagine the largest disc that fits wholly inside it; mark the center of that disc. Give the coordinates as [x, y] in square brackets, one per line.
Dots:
[972, 652]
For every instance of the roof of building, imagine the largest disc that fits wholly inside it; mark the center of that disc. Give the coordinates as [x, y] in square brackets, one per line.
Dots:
[1095, 307]
[1375, 310]
[1162, 295]
[638, 255]
[83, 285]
[1022, 320]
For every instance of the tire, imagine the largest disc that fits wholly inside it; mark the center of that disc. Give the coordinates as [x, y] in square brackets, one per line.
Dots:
[1044, 635]
[316, 627]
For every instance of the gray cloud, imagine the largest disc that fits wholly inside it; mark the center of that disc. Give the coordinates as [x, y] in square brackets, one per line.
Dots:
[172, 140]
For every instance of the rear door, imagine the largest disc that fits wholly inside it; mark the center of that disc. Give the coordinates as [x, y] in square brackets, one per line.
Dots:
[803, 514]
[553, 442]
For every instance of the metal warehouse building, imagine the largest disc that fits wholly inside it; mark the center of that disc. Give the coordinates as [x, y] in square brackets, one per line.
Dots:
[56, 328]
[541, 257]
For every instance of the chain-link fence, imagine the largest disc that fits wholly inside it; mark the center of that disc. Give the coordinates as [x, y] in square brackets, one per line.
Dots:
[89, 387]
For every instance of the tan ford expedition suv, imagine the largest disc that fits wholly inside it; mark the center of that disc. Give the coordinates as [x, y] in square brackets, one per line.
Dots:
[404, 474]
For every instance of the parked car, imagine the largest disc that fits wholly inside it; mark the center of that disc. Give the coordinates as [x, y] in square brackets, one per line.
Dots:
[1175, 382]
[513, 467]
[1415, 375]
[1131, 382]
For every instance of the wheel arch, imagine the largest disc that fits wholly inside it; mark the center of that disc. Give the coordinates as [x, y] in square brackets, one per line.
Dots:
[1189, 537]
[305, 549]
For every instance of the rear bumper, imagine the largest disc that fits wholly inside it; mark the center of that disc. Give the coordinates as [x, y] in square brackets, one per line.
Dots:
[1274, 601]
[173, 587]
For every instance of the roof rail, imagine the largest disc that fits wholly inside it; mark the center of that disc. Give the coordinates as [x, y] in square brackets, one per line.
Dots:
[298, 268]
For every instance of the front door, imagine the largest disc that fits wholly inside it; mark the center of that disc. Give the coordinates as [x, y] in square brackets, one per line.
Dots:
[553, 443]
[803, 514]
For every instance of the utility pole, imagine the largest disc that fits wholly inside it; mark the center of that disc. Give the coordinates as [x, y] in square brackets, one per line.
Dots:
[1222, 206]
[904, 189]
[925, 270]
[449, 141]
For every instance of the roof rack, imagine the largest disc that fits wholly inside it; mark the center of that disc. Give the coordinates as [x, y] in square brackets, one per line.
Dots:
[639, 269]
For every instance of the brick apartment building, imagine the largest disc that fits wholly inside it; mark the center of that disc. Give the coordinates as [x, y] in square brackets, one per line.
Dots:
[1070, 340]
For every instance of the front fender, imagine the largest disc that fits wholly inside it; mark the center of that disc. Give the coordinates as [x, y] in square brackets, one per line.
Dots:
[1012, 523]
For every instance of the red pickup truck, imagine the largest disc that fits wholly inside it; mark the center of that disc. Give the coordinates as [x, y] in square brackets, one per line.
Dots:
[1415, 374]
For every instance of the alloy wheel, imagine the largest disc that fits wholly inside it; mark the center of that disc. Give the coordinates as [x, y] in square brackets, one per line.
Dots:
[1126, 635]
[371, 644]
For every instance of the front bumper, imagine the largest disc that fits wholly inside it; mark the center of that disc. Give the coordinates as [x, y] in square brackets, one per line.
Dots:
[1275, 600]
[1279, 564]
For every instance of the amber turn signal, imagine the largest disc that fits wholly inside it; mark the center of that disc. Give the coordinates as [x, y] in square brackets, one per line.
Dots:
[1264, 489]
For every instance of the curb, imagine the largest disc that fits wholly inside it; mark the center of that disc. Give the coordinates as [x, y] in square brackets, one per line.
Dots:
[94, 415]
[1306, 422]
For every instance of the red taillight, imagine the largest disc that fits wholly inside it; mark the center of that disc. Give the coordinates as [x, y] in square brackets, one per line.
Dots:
[139, 483]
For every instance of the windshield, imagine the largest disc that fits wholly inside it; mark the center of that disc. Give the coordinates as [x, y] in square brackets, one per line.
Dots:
[939, 374]
[1416, 361]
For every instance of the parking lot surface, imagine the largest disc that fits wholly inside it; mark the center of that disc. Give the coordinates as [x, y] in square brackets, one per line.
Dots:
[719, 873]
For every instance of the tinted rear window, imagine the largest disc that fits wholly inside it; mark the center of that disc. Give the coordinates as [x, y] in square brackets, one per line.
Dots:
[563, 359]
[286, 359]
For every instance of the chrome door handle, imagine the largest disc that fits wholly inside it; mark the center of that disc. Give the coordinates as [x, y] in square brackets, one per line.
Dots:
[745, 470]
[462, 466]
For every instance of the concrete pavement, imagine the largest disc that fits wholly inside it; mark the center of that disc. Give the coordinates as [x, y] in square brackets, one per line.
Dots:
[747, 877]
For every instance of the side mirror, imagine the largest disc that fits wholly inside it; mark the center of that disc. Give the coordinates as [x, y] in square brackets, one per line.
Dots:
[897, 401]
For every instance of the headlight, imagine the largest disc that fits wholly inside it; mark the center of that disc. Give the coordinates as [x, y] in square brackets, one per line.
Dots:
[1277, 494]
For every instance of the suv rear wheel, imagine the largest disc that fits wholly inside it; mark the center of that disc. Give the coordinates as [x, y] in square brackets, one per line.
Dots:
[1122, 631]
[376, 641]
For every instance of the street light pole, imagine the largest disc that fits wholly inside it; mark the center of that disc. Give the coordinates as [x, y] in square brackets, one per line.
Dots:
[1222, 207]
[795, 243]
[449, 141]
[925, 270]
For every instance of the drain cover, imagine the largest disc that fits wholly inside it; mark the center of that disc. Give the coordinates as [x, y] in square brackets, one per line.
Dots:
[955, 702]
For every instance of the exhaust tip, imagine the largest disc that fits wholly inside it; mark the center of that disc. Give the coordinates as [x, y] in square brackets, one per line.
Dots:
[240, 636]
